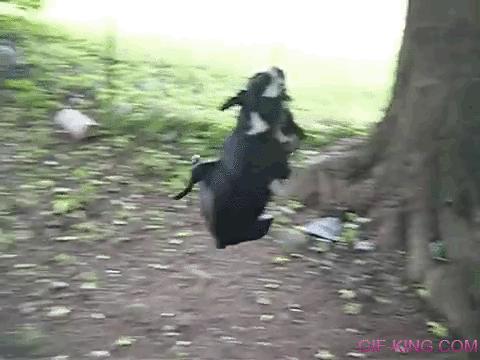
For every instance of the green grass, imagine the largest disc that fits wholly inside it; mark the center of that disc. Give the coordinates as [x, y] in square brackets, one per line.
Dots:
[177, 87]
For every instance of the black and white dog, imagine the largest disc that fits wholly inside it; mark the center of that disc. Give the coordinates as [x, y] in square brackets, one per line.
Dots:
[235, 189]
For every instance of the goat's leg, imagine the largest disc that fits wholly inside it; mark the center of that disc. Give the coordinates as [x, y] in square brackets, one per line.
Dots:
[257, 231]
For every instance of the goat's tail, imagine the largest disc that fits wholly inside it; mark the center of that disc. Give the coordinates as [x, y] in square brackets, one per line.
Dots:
[184, 192]
[191, 182]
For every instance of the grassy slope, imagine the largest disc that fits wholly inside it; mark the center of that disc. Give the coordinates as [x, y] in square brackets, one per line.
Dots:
[178, 86]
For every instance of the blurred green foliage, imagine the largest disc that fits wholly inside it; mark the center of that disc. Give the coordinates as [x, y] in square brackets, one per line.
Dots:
[25, 4]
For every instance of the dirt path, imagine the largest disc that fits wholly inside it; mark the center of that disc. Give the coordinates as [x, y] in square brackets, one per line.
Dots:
[136, 268]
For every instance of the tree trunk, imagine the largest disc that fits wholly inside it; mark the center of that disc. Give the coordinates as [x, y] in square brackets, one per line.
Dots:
[419, 172]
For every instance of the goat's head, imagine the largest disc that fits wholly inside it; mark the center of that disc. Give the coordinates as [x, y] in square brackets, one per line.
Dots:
[287, 131]
[240, 99]
[265, 93]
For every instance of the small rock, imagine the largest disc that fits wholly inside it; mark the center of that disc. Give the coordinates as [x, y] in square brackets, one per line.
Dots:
[169, 328]
[124, 341]
[266, 317]
[296, 256]
[171, 334]
[230, 340]
[183, 343]
[51, 163]
[58, 312]
[102, 257]
[97, 316]
[363, 220]
[66, 238]
[294, 306]
[60, 357]
[175, 242]
[280, 260]
[365, 245]
[324, 355]
[382, 300]
[263, 301]
[24, 266]
[8, 256]
[360, 262]
[272, 286]
[167, 315]
[347, 294]
[112, 272]
[423, 293]
[88, 286]
[352, 331]
[152, 227]
[356, 355]
[297, 310]
[119, 222]
[158, 266]
[352, 308]
[263, 343]
[58, 285]
[99, 354]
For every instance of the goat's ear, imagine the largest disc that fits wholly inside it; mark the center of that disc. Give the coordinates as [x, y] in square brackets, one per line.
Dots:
[238, 99]
[228, 104]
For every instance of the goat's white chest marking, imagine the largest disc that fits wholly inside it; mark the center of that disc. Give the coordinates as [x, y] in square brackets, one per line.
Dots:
[257, 124]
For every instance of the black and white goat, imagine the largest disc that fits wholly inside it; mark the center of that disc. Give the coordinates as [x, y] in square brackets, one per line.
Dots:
[288, 132]
[235, 189]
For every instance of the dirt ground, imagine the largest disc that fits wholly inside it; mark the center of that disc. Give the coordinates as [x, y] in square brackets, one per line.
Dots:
[149, 284]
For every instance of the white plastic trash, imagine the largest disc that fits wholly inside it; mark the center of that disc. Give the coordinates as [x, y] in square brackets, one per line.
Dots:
[329, 228]
[74, 122]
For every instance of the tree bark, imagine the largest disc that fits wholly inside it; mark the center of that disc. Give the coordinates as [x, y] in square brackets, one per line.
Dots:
[422, 160]
[428, 144]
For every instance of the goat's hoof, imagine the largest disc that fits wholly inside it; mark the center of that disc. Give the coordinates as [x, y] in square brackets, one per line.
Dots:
[265, 217]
